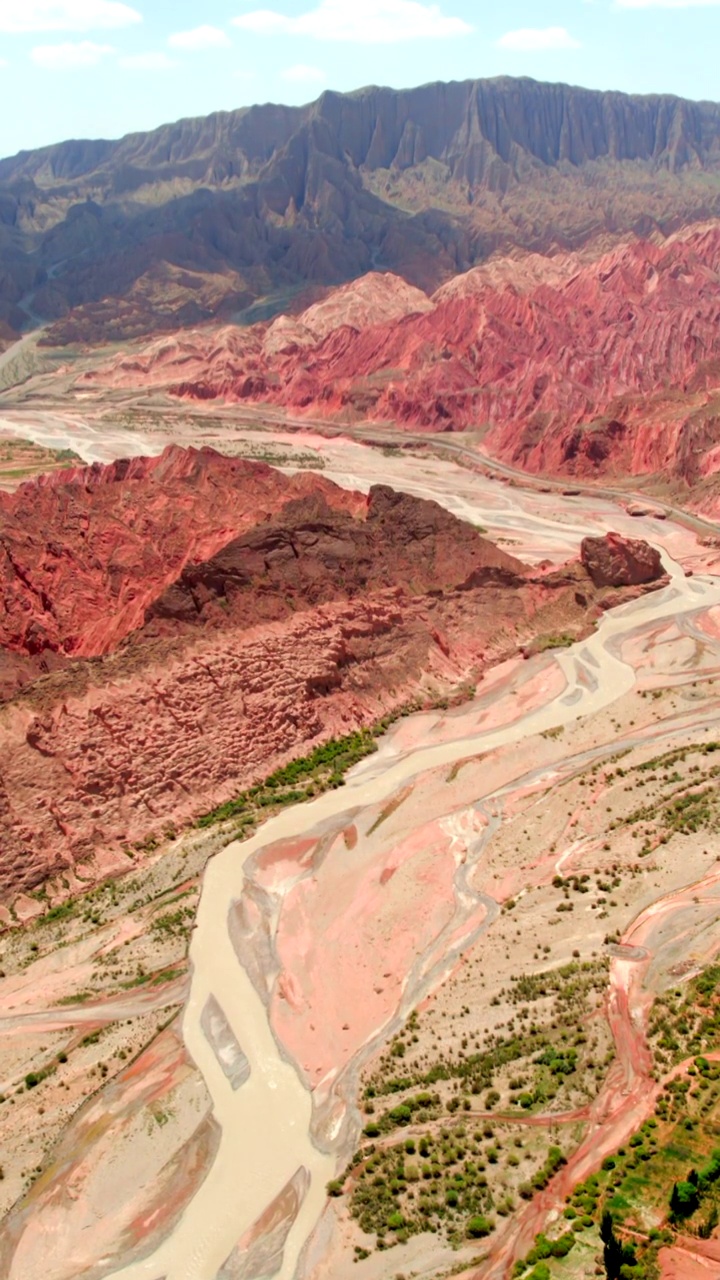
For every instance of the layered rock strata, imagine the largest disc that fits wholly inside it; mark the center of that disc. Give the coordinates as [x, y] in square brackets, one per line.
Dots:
[602, 368]
[332, 608]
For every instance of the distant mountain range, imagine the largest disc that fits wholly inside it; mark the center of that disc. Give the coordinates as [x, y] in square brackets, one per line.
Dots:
[235, 215]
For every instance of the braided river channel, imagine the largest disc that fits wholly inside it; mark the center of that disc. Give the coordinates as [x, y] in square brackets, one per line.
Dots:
[317, 938]
[285, 1131]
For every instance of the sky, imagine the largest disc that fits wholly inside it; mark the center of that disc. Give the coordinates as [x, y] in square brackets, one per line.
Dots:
[103, 68]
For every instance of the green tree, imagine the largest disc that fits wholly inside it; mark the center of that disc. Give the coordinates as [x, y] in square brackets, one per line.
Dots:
[616, 1255]
[684, 1200]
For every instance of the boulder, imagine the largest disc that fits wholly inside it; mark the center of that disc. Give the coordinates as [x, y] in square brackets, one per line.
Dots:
[615, 561]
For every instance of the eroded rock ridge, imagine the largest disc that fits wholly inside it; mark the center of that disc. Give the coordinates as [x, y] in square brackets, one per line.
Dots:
[264, 615]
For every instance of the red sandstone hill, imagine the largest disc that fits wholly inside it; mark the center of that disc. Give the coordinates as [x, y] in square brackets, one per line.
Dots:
[104, 541]
[210, 619]
[310, 553]
[589, 368]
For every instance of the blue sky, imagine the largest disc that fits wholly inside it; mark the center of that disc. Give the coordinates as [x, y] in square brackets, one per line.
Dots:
[101, 68]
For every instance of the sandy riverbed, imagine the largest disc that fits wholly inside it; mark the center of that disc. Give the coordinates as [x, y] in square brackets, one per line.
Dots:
[319, 936]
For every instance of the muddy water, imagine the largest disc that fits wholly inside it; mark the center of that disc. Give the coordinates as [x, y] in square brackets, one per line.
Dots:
[262, 1200]
[273, 1129]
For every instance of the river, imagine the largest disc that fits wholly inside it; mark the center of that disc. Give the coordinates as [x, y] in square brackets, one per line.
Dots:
[284, 1092]
[272, 1127]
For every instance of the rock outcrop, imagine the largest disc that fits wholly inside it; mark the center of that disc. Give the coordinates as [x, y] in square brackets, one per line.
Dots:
[104, 541]
[177, 684]
[308, 555]
[608, 367]
[615, 561]
[201, 218]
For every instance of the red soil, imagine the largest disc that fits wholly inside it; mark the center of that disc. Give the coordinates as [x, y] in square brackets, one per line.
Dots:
[324, 1013]
[691, 1260]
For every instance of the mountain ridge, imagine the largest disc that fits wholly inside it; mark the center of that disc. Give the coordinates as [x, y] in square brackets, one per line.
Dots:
[203, 218]
[568, 366]
[662, 105]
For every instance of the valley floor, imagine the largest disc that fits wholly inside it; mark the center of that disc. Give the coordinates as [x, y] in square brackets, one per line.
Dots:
[431, 988]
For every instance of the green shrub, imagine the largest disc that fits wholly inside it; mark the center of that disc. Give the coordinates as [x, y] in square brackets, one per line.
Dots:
[479, 1227]
[539, 1272]
[401, 1115]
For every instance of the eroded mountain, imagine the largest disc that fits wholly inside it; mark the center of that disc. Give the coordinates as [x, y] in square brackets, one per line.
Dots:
[204, 217]
[568, 365]
[140, 686]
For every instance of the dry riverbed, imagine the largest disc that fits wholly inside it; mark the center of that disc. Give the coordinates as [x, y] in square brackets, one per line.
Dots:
[479, 919]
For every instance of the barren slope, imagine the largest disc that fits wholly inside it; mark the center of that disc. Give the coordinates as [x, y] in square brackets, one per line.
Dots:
[203, 217]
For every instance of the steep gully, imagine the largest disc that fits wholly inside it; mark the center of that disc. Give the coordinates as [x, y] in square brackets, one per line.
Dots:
[275, 1134]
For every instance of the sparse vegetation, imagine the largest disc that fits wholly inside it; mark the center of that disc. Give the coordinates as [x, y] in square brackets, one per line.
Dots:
[554, 640]
[321, 770]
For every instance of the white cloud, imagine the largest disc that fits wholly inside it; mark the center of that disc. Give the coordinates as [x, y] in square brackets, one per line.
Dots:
[537, 39]
[303, 74]
[69, 56]
[146, 62]
[372, 22]
[265, 22]
[17, 16]
[665, 4]
[199, 38]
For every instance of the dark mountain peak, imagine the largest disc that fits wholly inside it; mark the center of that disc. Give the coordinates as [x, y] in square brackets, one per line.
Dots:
[423, 182]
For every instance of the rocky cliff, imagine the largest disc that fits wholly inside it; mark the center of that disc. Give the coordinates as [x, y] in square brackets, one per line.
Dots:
[105, 541]
[614, 561]
[203, 217]
[287, 611]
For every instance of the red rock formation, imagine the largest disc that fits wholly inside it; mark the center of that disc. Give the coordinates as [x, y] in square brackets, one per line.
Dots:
[614, 561]
[602, 368]
[104, 541]
[374, 299]
[326, 610]
[309, 555]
